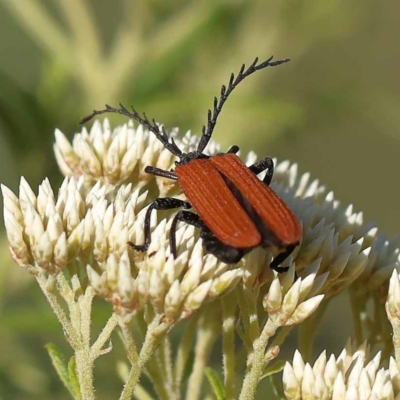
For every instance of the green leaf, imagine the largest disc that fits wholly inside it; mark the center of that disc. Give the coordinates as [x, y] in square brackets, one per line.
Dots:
[63, 371]
[215, 383]
[73, 377]
[188, 366]
[274, 369]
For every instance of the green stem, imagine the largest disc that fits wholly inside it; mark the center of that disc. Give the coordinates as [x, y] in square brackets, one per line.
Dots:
[81, 312]
[153, 368]
[256, 362]
[141, 393]
[97, 347]
[247, 299]
[206, 336]
[155, 333]
[156, 374]
[183, 353]
[165, 353]
[129, 343]
[229, 305]
[57, 309]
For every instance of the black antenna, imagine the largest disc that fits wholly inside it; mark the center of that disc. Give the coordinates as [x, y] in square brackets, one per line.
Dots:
[160, 133]
[212, 116]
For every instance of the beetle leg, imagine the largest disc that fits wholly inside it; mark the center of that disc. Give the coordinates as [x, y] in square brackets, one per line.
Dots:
[282, 257]
[224, 253]
[167, 203]
[185, 216]
[234, 149]
[161, 172]
[265, 164]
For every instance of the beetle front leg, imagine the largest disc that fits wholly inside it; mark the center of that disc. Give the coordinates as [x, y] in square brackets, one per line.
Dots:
[167, 203]
[184, 216]
[265, 164]
[161, 172]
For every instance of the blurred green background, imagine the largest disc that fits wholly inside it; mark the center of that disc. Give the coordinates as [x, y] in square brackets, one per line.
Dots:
[334, 109]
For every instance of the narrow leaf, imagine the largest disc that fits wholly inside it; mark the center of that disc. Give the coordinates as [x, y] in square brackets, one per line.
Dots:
[60, 365]
[274, 369]
[215, 383]
[73, 377]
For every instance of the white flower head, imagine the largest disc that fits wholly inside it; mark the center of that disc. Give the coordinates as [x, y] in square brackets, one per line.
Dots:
[100, 207]
[173, 287]
[48, 232]
[291, 303]
[351, 375]
[119, 156]
[334, 237]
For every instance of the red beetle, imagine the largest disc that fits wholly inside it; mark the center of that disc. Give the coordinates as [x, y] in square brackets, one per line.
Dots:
[234, 210]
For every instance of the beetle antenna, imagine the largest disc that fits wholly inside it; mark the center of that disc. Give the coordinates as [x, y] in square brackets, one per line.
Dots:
[212, 116]
[151, 126]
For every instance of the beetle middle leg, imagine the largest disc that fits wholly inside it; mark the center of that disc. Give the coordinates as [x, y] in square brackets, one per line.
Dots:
[225, 253]
[167, 203]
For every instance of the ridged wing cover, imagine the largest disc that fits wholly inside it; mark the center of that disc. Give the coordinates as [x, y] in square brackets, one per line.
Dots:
[269, 206]
[216, 205]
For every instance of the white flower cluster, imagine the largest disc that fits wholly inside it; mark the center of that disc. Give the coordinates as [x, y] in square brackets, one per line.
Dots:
[174, 287]
[100, 207]
[119, 156]
[290, 303]
[336, 238]
[48, 232]
[349, 376]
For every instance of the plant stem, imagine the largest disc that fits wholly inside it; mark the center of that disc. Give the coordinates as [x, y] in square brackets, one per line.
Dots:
[229, 305]
[141, 393]
[256, 361]
[57, 309]
[165, 353]
[96, 349]
[80, 312]
[155, 333]
[153, 368]
[184, 349]
[206, 335]
[248, 308]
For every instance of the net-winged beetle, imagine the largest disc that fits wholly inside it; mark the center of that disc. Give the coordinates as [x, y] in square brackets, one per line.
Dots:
[234, 210]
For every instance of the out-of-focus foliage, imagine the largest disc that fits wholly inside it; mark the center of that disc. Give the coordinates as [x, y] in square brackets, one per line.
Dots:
[333, 108]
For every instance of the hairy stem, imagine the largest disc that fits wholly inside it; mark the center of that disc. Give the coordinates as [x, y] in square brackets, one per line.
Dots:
[183, 353]
[256, 362]
[155, 333]
[207, 334]
[229, 305]
[57, 309]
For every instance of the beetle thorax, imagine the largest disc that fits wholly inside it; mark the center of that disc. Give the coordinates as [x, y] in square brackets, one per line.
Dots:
[187, 157]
